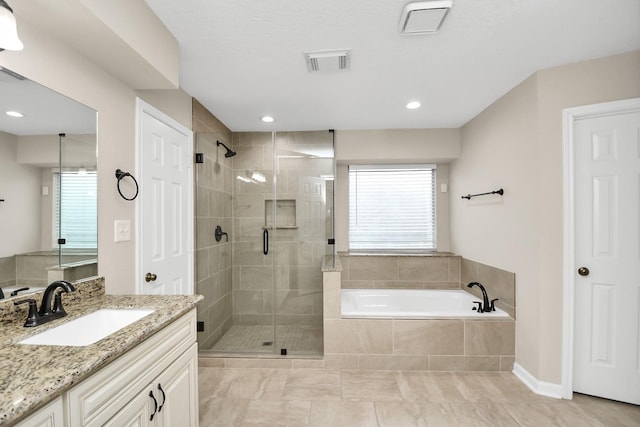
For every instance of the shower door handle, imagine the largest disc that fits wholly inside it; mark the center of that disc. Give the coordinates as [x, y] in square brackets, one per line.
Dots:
[265, 241]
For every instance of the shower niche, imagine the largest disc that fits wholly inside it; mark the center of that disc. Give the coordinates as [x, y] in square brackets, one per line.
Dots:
[284, 211]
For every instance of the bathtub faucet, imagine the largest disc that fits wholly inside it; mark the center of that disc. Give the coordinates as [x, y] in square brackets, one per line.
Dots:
[486, 306]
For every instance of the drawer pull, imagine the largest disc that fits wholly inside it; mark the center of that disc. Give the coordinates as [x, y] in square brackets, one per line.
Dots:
[164, 397]
[155, 405]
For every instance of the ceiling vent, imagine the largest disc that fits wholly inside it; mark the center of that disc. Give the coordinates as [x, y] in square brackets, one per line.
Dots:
[424, 17]
[328, 60]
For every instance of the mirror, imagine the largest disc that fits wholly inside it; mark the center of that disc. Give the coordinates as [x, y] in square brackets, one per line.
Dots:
[48, 194]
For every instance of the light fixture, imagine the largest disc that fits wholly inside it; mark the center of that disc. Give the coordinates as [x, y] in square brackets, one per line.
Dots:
[8, 29]
[267, 119]
[14, 114]
[424, 17]
[413, 105]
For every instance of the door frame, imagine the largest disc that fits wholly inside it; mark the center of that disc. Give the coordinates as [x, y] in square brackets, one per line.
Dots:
[142, 108]
[569, 118]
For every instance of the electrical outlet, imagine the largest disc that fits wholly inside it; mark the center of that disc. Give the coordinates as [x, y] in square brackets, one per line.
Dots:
[122, 230]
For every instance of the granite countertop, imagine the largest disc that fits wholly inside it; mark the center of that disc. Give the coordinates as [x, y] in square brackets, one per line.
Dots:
[33, 375]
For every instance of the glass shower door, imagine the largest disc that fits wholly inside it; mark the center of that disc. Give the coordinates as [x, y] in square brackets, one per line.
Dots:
[276, 196]
[301, 224]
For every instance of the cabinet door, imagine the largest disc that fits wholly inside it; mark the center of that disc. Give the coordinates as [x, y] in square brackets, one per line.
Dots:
[51, 415]
[177, 388]
[137, 413]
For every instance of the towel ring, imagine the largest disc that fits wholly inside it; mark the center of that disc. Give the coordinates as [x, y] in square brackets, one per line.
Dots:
[120, 174]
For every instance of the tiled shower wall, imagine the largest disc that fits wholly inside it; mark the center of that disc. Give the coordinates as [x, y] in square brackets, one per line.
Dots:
[297, 247]
[213, 207]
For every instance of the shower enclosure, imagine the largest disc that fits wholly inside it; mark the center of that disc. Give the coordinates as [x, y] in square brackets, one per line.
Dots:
[272, 194]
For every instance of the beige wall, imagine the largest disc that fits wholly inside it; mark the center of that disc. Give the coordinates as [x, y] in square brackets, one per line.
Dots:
[516, 143]
[389, 146]
[52, 63]
[397, 145]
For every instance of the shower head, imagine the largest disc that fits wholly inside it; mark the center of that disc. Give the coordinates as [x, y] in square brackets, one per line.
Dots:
[229, 153]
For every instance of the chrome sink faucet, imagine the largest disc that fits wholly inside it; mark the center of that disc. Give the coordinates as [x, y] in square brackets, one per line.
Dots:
[47, 313]
[485, 306]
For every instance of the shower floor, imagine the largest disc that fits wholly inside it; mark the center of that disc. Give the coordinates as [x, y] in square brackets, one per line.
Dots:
[299, 340]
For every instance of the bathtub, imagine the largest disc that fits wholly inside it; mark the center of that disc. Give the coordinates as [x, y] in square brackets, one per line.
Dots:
[412, 304]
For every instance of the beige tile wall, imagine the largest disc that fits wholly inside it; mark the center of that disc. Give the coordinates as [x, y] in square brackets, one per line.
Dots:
[406, 272]
[37, 269]
[213, 207]
[8, 271]
[498, 283]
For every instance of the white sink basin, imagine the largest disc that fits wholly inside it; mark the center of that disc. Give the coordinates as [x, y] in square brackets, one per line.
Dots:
[87, 329]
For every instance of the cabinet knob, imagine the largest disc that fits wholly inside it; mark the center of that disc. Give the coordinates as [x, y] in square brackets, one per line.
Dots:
[150, 277]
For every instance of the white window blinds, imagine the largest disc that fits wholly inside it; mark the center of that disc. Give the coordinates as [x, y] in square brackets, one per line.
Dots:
[75, 216]
[392, 207]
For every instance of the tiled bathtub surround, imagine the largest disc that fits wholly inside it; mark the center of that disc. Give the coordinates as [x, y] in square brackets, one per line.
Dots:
[434, 271]
[498, 283]
[429, 344]
[7, 271]
[41, 268]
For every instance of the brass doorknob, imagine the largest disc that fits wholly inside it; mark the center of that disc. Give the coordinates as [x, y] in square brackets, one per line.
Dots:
[150, 277]
[583, 271]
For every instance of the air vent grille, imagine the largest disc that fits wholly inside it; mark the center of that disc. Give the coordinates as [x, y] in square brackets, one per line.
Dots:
[328, 60]
[424, 17]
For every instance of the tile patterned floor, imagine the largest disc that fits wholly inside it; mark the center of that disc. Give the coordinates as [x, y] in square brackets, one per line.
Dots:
[305, 397]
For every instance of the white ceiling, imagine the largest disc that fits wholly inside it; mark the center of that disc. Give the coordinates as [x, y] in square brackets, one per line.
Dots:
[245, 58]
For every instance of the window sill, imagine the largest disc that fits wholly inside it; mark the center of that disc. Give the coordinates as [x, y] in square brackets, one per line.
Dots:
[398, 252]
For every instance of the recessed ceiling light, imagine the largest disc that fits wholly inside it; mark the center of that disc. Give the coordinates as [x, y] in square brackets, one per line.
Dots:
[14, 114]
[267, 119]
[413, 105]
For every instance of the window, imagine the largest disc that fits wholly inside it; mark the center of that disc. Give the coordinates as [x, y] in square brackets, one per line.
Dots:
[392, 207]
[75, 209]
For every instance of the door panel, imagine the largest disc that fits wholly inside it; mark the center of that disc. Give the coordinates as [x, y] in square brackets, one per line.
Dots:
[166, 206]
[607, 301]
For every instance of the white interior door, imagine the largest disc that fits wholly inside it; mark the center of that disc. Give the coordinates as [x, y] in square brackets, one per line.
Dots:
[607, 254]
[165, 216]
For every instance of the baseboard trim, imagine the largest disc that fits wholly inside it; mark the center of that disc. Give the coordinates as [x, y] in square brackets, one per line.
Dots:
[538, 387]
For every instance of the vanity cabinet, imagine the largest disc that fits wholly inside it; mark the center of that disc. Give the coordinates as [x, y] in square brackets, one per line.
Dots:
[52, 415]
[166, 401]
[154, 384]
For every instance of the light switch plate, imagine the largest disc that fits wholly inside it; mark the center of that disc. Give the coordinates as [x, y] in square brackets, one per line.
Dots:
[122, 230]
